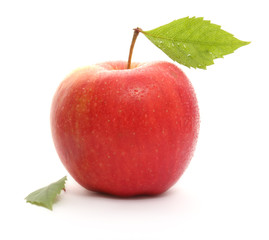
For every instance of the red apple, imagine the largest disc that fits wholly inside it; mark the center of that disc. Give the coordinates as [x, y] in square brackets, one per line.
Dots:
[125, 131]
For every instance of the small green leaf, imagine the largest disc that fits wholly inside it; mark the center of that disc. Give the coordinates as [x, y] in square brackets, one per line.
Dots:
[46, 196]
[193, 42]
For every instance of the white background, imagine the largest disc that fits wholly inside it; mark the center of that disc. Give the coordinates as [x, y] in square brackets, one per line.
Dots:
[224, 192]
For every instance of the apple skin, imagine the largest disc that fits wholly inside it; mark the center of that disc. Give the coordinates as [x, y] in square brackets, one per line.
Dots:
[125, 132]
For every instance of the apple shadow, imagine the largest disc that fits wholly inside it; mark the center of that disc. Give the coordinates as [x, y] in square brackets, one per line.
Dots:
[88, 193]
[173, 195]
[174, 201]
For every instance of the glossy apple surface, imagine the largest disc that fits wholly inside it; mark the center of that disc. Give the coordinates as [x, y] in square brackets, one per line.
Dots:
[125, 131]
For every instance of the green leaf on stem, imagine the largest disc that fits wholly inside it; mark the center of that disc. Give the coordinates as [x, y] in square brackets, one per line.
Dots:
[193, 42]
[46, 196]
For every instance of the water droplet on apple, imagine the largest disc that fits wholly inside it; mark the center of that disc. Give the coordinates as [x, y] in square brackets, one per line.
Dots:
[137, 92]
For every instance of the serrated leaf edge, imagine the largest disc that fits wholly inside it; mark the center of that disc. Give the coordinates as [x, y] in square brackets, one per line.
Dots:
[239, 42]
[50, 203]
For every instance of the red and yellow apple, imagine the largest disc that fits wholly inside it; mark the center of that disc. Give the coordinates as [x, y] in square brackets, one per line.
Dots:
[123, 131]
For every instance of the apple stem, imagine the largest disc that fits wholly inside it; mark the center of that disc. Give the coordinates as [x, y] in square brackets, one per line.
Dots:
[136, 32]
